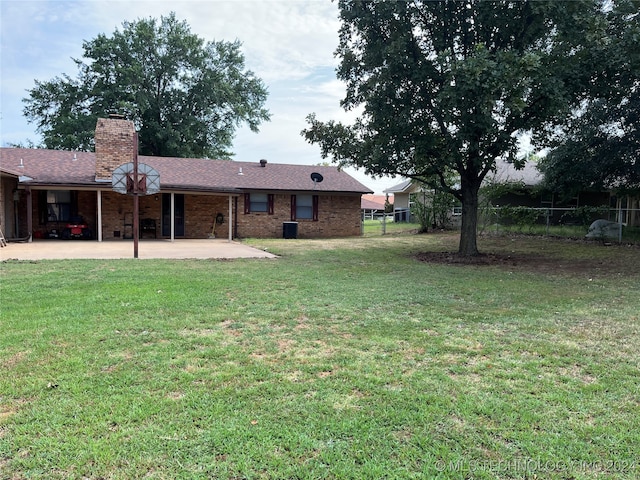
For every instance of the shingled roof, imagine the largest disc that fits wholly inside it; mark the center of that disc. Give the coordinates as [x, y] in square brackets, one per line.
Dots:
[507, 173]
[78, 169]
[374, 202]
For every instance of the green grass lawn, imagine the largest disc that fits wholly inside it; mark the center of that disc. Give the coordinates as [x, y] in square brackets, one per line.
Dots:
[340, 359]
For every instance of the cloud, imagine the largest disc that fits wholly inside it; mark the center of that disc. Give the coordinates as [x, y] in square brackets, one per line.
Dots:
[281, 38]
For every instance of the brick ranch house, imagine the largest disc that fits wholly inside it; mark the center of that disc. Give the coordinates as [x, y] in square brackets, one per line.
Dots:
[43, 190]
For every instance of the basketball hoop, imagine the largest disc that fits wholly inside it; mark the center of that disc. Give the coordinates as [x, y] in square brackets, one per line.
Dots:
[148, 179]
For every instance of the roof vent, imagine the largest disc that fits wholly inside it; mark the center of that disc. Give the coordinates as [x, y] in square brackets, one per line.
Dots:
[21, 164]
[263, 163]
[240, 171]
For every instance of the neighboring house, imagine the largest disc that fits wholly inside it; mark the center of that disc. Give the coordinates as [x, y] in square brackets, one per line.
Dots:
[373, 206]
[41, 191]
[402, 197]
[525, 191]
[410, 193]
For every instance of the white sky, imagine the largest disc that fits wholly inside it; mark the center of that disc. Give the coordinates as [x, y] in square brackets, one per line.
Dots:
[289, 44]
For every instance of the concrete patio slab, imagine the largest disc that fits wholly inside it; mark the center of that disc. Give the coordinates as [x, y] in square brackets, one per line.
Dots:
[147, 249]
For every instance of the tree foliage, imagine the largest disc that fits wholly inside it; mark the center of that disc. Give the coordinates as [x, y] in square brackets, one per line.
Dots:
[449, 86]
[432, 208]
[601, 151]
[599, 147]
[186, 96]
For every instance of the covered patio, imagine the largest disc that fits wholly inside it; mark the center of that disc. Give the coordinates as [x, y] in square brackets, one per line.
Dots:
[147, 249]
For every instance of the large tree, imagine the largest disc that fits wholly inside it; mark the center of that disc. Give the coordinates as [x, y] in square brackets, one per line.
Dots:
[449, 86]
[186, 96]
[599, 145]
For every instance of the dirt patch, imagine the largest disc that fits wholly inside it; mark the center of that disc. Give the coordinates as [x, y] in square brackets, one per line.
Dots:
[16, 358]
[520, 262]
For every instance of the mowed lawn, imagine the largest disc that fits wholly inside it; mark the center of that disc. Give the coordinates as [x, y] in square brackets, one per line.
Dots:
[341, 359]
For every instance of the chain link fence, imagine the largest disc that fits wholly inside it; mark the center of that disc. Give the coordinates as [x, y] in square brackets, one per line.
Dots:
[387, 225]
[622, 225]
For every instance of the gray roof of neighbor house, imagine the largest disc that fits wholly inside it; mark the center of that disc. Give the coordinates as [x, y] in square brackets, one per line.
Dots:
[507, 173]
[405, 187]
[66, 168]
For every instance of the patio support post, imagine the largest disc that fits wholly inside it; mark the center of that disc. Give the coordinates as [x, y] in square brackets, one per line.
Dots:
[229, 217]
[173, 216]
[29, 213]
[99, 225]
[620, 220]
[136, 198]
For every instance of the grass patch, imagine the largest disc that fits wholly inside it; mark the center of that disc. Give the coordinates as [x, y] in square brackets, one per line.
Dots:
[629, 234]
[343, 358]
[378, 227]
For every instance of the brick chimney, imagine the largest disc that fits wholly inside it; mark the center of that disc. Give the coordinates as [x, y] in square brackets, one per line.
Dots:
[114, 145]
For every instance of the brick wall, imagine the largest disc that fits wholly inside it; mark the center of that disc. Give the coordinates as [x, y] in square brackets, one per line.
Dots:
[200, 213]
[6, 186]
[114, 145]
[338, 216]
[115, 208]
[23, 221]
[88, 210]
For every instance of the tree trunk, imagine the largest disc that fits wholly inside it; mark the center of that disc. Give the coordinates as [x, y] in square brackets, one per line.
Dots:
[468, 234]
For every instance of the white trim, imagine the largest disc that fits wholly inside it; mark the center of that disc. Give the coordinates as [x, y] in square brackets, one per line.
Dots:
[230, 217]
[99, 225]
[173, 216]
